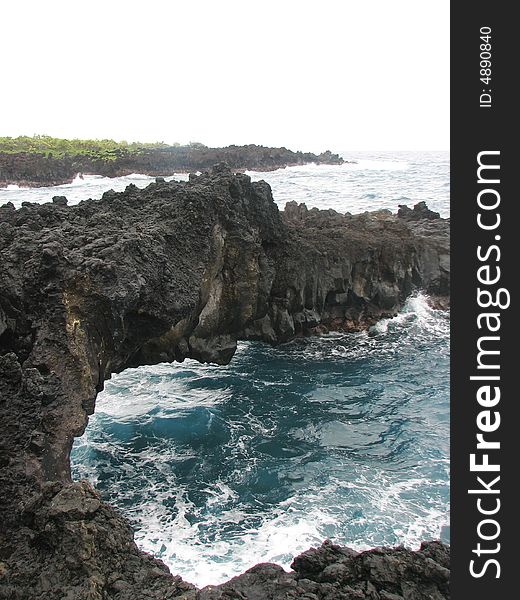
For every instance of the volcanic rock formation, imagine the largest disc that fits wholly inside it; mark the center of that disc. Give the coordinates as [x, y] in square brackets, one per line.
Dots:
[181, 269]
[335, 573]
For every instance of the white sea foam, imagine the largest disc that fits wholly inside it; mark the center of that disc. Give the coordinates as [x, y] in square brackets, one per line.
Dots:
[166, 393]
[416, 311]
[278, 538]
[296, 524]
[81, 188]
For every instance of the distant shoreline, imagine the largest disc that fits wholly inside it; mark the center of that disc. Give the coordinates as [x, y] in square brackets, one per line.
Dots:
[43, 162]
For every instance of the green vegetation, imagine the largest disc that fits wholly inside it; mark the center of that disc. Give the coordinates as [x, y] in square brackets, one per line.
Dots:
[59, 148]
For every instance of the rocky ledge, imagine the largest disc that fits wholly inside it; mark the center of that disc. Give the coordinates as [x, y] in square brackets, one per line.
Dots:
[37, 169]
[337, 573]
[177, 270]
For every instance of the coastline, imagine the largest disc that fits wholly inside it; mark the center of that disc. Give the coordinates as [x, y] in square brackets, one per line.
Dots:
[37, 169]
[102, 314]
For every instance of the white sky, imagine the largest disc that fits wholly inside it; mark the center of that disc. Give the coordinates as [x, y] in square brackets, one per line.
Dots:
[309, 75]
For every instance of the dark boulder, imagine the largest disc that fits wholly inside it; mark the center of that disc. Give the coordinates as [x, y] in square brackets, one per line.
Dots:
[419, 212]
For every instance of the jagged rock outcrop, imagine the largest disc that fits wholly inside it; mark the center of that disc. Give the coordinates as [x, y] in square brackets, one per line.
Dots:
[34, 169]
[172, 271]
[332, 572]
[418, 213]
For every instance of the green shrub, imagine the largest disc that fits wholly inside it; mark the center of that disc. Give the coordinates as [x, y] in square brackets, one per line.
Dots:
[59, 148]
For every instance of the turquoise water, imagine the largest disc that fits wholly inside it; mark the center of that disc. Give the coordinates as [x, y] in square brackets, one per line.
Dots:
[342, 436]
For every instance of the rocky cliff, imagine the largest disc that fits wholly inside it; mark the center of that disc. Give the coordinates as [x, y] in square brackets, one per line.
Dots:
[173, 271]
[34, 169]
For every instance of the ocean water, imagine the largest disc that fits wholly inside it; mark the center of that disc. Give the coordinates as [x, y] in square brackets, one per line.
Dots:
[375, 180]
[343, 437]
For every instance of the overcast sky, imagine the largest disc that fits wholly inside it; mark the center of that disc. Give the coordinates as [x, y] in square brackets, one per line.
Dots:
[310, 75]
